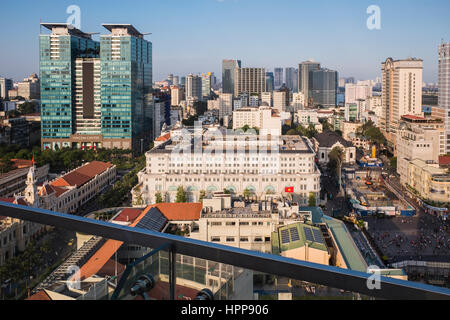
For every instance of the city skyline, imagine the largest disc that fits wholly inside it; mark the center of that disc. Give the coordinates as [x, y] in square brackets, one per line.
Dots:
[178, 34]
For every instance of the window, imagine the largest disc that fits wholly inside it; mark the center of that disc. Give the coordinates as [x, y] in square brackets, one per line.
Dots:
[244, 239]
[258, 239]
[216, 224]
[231, 224]
[230, 239]
[215, 239]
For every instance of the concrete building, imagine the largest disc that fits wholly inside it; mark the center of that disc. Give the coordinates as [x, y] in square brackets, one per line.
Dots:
[194, 87]
[30, 88]
[290, 164]
[14, 182]
[266, 119]
[249, 80]
[302, 242]
[177, 95]
[444, 88]
[401, 93]
[292, 79]
[5, 86]
[228, 75]
[225, 105]
[15, 234]
[266, 99]
[305, 79]
[418, 138]
[325, 142]
[430, 182]
[298, 101]
[279, 101]
[68, 193]
[356, 92]
[349, 128]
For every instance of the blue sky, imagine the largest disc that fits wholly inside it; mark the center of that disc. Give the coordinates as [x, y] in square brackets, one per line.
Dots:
[195, 35]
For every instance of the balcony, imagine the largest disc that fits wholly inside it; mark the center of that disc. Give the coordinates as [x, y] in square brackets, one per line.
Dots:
[178, 268]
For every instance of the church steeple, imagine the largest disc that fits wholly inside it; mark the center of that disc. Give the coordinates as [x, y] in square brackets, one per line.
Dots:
[31, 195]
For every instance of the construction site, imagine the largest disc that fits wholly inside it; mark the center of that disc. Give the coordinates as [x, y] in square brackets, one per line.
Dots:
[365, 186]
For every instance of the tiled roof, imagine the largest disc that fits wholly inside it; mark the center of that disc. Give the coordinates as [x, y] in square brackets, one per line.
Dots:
[329, 139]
[104, 254]
[46, 190]
[128, 215]
[180, 211]
[444, 160]
[21, 163]
[163, 138]
[82, 175]
[41, 295]
[413, 117]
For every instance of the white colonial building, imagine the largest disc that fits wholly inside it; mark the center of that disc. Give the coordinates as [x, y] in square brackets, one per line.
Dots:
[216, 161]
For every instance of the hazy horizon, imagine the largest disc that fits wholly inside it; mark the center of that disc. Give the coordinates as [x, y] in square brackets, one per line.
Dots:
[195, 36]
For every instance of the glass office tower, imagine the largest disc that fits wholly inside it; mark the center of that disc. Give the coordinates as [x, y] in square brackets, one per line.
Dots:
[58, 53]
[96, 94]
[270, 81]
[228, 69]
[324, 87]
[305, 79]
[126, 83]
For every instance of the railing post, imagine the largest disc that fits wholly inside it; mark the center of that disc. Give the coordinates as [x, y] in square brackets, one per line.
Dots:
[172, 272]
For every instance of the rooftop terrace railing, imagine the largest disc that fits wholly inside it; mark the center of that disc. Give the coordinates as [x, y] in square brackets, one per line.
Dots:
[270, 264]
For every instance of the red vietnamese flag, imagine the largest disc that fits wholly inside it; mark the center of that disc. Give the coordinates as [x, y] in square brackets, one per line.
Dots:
[289, 190]
[32, 161]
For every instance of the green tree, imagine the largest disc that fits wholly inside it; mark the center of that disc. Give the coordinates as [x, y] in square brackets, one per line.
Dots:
[336, 157]
[202, 195]
[312, 200]
[393, 163]
[159, 198]
[247, 193]
[181, 195]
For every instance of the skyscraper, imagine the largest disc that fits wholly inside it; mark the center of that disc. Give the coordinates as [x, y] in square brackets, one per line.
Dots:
[270, 82]
[59, 52]
[401, 93]
[249, 80]
[5, 86]
[207, 82]
[193, 87]
[292, 79]
[278, 78]
[127, 77]
[228, 72]
[444, 88]
[305, 79]
[92, 100]
[324, 87]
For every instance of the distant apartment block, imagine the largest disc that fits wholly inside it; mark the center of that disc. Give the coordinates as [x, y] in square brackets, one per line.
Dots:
[250, 81]
[401, 93]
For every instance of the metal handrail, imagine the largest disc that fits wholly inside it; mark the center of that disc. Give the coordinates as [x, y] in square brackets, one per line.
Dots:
[334, 277]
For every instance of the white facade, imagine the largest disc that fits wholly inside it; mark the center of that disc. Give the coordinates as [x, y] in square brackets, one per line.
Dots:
[444, 88]
[356, 92]
[263, 118]
[418, 141]
[266, 97]
[279, 101]
[231, 162]
[401, 93]
[298, 101]
[249, 80]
